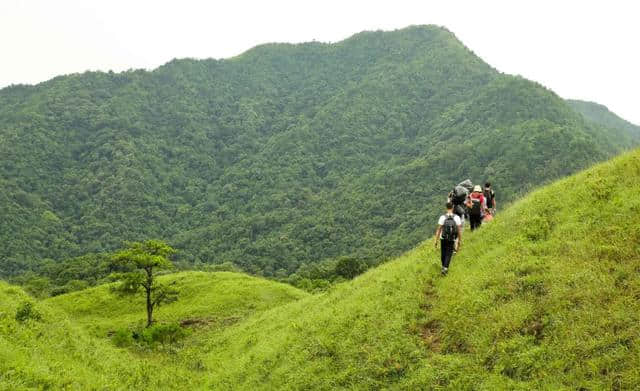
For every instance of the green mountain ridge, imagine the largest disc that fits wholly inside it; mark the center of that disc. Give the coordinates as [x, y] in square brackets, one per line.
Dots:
[280, 160]
[601, 115]
[543, 297]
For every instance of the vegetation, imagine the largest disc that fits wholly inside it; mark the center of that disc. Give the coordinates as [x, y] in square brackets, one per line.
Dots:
[145, 259]
[281, 161]
[58, 351]
[215, 300]
[543, 297]
[599, 114]
[51, 278]
[41, 349]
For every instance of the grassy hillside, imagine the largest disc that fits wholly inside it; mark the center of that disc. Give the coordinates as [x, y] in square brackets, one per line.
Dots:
[211, 299]
[543, 298]
[279, 159]
[68, 348]
[54, 353]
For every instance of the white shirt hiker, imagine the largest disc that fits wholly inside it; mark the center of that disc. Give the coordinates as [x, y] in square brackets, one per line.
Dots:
[456, 218]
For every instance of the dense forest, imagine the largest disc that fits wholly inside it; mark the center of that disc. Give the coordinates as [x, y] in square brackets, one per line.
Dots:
[601, 115]
[284, 161]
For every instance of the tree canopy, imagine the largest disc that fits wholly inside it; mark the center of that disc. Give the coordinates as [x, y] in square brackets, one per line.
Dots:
[144, 260]
[280, 159]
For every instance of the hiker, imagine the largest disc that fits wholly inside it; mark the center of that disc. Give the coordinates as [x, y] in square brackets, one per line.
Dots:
[490, 197]
[449, 234]
[487, 217]
[477, 207]
[458, 196]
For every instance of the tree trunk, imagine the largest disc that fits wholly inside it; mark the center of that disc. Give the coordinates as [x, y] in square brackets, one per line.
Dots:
[148, 291]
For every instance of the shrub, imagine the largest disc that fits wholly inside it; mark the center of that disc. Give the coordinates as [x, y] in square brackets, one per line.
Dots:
[122, 338]
[27, 311]
[348, 267]
[162, 333]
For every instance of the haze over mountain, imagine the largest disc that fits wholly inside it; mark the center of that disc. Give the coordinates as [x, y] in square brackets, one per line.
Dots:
[283, 157]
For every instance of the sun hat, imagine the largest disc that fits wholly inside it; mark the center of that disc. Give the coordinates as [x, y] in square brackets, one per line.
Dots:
[477, 188]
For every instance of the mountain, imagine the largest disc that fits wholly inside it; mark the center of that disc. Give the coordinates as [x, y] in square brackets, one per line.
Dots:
[601, 115]
[543, 297]
[282, 160]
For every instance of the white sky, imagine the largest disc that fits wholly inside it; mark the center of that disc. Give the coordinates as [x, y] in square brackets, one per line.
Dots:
[580, 49]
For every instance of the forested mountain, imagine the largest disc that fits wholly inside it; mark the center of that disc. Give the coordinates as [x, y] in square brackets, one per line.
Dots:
[278, 159]
[601, 115]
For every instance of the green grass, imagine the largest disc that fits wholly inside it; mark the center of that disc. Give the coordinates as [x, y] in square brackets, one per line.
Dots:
[69, 348]
[214, 299]
[54, 353]
[544, 297]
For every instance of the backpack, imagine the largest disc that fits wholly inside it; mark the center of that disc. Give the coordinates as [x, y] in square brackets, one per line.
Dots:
[488, 195]
[476, 207]
[459, 194]
[467, 184]
[449, 229]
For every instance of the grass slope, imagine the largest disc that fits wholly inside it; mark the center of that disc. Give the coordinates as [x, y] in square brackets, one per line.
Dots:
[546, 297]
[71, 351]
[216, 299]
[53, 354]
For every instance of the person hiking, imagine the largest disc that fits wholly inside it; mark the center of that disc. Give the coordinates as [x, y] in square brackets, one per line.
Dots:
[477, 207]
[449, 234]
[490, 197]
[458, 196]
[487, 217]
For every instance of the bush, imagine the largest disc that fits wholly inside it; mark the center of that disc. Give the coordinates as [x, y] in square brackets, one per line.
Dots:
[123, 338]
[27, 311]
[222, 267]
[161, 333]
[348, 267]
[149, 337]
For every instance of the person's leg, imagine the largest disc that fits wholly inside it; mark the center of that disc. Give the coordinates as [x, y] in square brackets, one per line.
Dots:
[447, 249]
[443, 252]
[473, 222]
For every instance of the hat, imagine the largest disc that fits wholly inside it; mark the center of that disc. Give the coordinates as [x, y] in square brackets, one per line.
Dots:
[477, 188]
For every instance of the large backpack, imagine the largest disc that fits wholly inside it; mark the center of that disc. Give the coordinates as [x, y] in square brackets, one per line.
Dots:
[476, 207]
[449, 229]
[488, 195]
[459, 194]
[467, 184]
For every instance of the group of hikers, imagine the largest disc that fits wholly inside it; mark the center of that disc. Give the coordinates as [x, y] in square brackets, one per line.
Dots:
[464, 202]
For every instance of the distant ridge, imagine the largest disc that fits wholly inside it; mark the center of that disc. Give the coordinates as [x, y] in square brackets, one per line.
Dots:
[601, 115]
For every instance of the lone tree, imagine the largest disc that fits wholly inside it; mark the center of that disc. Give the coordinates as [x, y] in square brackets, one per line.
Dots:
[144, 260]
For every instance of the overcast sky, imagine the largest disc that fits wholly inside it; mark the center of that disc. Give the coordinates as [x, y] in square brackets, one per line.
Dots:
[580, 49]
